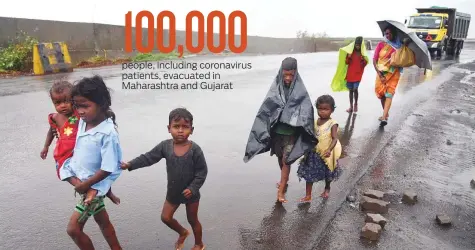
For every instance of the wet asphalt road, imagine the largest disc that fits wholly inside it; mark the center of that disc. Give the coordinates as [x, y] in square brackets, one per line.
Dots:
[432, 154]
[238, 209]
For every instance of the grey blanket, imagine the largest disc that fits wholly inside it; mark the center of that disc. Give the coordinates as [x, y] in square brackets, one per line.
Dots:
[293, 108]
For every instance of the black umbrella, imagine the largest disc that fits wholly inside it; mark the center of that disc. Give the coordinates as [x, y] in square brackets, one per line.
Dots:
[419, 47]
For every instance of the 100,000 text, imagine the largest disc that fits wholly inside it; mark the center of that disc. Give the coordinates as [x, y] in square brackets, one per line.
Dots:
[189, 32]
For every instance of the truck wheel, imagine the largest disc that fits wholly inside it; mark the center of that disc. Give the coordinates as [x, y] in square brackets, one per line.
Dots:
[459, 49]
[438, 53]
[450, 51]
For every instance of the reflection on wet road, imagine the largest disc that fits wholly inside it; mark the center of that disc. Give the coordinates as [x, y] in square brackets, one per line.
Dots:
[237, 209]
[431, 154]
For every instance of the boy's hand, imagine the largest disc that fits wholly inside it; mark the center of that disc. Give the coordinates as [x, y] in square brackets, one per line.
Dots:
[81, 188]
[187, 193]
[44, 153]
[124, 165]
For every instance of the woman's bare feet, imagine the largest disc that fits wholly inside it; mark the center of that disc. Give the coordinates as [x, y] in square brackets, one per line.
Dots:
[180, 243]
[113, 198]
[281, 197]
[306, 199]
[199, 247]
[325, 194]
[383, 121]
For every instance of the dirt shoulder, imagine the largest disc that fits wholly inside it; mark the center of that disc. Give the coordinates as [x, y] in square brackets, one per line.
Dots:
[432, 154]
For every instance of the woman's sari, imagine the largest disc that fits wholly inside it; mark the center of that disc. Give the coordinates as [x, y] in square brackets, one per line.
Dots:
[391, 73]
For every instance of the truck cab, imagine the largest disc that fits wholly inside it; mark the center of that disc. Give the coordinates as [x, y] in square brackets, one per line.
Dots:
[443, 29]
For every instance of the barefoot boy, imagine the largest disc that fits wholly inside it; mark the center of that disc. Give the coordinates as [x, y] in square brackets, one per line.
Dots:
[351, 64]
[356, 64]
[186, 172]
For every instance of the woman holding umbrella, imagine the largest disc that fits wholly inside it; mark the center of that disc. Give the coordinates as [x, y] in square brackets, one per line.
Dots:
[387, 76]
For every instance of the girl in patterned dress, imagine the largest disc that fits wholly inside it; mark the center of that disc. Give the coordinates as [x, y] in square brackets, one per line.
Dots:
[322, 162]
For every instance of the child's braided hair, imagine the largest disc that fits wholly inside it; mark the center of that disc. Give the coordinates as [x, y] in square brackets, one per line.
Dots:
[95, 89]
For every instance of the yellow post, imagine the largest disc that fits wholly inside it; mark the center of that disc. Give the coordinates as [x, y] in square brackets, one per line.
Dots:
[37, 64]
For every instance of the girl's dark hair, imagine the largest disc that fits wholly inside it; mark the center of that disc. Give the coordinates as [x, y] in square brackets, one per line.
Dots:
[95, 90]
[180, 113]
[59, 87]
[326, 99]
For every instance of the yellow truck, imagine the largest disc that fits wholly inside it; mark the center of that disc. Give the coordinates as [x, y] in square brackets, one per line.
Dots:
[443, 29]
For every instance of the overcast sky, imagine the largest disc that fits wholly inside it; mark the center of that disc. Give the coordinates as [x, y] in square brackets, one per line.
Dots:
[274, 18]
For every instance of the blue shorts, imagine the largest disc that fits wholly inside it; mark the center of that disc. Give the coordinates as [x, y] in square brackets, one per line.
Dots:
[352, 85]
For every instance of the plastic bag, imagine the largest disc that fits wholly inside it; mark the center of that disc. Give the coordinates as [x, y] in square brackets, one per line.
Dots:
[296, 111]
[403, 57]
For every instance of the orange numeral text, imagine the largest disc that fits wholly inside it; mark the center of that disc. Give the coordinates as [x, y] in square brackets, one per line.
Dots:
[159, 43]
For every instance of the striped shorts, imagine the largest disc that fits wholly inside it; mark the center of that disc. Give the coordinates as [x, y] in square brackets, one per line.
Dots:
[96, 206]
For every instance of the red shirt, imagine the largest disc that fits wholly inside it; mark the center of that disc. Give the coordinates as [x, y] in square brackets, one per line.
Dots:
[67, 139]
[356, 64]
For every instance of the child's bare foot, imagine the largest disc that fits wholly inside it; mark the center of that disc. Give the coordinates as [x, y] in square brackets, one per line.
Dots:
[355, 109]
[325, 194]
[199, 247]
[180, 243]
[88, 200]
[90, 195]
[350, 110]
[113, 198]
[306, 199]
